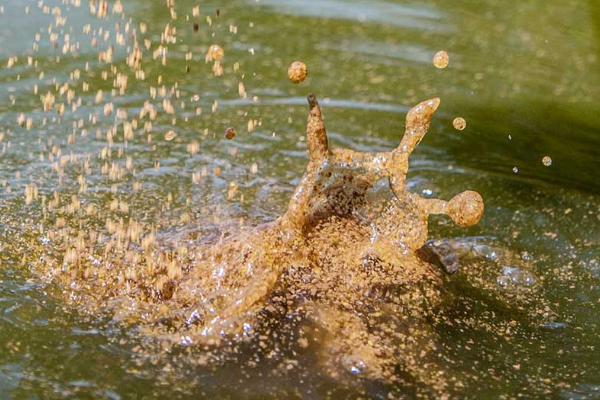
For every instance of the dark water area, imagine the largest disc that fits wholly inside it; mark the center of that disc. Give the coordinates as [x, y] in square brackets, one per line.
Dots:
[524, 75]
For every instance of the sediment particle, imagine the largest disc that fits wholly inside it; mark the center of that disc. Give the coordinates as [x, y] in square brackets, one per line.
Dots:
[297, 72]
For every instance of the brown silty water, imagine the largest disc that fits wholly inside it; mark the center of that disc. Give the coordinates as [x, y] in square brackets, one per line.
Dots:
[129, 227]
[344, 262]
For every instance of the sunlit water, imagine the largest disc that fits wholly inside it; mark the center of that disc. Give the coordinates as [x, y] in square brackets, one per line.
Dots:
[524, 76]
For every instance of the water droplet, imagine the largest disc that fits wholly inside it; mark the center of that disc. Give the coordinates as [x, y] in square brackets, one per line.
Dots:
[503, 281]
[459, 123]
[517, 276]
[297, 72]
[194, 317]
[510, 271]
[528, 280]
[547, 161]
[214, 53]
[355, 370]
[186, 341]
[170, 136]
[230, 133]
[441, 59]
[486, 251]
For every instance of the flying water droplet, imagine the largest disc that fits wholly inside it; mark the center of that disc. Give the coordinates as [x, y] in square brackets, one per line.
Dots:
[547, 161]
[441, 59]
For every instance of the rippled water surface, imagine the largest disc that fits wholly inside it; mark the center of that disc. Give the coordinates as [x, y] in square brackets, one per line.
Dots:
[525, 76]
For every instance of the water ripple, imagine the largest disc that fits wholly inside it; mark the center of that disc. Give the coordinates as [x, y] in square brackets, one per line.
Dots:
[382, 12]
[326, 102]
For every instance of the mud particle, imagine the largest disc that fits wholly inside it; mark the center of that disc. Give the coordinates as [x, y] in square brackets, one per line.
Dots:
[297, 72]
[441, 59]
[215, 53]
[230, 133]
[459, 123]
[170, 135]
[547, 161]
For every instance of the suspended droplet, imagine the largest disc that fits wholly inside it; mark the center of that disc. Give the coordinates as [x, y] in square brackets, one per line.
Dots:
[547, 161]
[230, 133]
[441, 59]
[214, 53]
[170, 136]
[297, 72]
[459, 123]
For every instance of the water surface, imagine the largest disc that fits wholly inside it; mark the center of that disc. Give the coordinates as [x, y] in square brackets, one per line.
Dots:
[525, 76]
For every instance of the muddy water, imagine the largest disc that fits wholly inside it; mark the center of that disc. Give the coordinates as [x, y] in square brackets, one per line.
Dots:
[524, 78]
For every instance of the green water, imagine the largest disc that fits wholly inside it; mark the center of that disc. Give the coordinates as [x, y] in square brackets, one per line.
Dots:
[525, 76]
